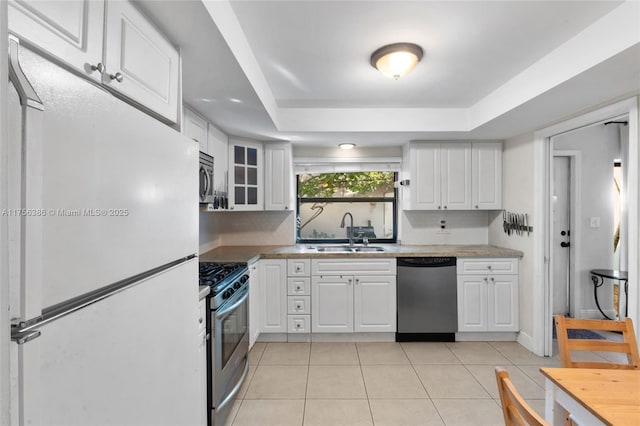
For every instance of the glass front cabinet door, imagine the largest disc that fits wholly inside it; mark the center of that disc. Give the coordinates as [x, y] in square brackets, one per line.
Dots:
[246, 173]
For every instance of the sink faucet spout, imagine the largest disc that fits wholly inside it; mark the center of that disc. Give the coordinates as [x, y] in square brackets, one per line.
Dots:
[350, 230]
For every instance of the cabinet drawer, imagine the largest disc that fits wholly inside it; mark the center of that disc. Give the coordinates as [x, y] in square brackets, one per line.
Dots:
[298, 267]
[299, 324]
[299, 286]
[487, 265]
[354, 266]
[299, 305]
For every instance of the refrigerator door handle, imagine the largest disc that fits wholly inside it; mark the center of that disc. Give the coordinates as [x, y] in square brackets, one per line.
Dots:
[26, 92]
[22, 337]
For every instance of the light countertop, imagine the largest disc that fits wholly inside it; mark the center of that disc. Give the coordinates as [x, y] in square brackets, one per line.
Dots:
[252, 253]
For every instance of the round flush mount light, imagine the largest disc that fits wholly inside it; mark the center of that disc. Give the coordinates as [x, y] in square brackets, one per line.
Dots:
[396, 60]
[347, 145]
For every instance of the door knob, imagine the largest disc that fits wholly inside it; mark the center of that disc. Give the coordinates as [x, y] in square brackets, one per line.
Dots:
[117, 77]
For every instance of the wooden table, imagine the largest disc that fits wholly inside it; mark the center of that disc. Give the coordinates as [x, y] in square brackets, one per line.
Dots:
[592, 396]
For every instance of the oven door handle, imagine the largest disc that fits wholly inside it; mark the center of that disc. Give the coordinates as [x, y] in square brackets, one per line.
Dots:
[226, 311]
[236, 388]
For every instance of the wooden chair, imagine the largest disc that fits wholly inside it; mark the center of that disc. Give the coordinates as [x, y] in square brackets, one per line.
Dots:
[516, 411]
[628, 345]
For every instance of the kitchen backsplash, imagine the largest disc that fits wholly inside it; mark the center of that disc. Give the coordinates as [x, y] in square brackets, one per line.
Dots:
[246, 229]
[460, 227]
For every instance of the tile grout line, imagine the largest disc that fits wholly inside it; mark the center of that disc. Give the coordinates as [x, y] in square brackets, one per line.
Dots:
[364, 383]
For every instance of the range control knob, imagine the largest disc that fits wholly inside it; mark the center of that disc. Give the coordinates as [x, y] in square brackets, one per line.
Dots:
[227, 293]
[237, 285]
[244, 279]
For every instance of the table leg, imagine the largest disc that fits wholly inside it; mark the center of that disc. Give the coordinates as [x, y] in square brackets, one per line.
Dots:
[553, 412]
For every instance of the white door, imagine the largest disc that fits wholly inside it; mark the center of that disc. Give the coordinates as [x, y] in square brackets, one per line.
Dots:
[456, 176]
[561, 295]
[502, 303]
[472, 302]
[140, 63]
[332, 304]
[69, 30]
[273, 296]
[374, 301]
[246, 174]
[425, 177]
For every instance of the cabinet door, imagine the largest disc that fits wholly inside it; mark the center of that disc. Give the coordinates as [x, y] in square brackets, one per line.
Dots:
[254, 303]
[456, 176]
[472, 302]
[139, 62]
[194, 127]
[202, 375]
[219, 150]
[273, 296]
[502, 312]
[486, 172]
[425, 177]
[245, 176]
[69, 30]
[278, 178]
[374, 303]
[332, 304]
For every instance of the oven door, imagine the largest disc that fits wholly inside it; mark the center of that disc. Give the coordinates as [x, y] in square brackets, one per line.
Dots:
[230, 348]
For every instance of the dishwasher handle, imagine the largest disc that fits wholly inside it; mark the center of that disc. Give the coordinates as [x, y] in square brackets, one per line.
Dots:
[426, 262]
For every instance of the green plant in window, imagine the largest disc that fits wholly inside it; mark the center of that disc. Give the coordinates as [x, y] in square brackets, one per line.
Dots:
[323, 185]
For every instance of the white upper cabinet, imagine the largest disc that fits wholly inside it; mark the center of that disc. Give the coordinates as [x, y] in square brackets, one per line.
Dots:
[278, 178]
[486, 170]
[440, 176]
[140, 63]
[195, 127]
[69, 30]
[246, 172]
[110, 42]
[453, 176]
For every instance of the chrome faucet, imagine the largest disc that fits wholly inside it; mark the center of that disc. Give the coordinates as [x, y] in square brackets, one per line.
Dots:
[350, 231]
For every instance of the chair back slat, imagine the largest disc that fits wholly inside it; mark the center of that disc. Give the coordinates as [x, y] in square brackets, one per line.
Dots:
[515, 410]
[566, 346]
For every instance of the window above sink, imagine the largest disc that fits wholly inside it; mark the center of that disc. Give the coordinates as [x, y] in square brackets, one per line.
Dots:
[324, 198]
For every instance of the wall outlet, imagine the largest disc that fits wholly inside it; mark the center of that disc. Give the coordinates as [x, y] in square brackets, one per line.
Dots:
[594, 222]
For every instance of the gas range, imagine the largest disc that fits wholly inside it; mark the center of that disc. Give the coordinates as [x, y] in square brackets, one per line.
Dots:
[224, 279]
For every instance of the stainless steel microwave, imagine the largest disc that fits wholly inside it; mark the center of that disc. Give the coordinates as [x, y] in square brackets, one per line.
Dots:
[206, 178]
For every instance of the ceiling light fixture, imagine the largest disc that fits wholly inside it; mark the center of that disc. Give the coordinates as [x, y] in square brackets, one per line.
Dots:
[347, 145]
[396, 60]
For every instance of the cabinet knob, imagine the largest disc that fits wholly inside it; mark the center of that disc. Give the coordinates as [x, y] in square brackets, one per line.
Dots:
[485, 279]
[349, 280]
[489, 267]
[200, 320]
[492, 279]
[297, 325]
[476, 206]
[286, 207]
[439, 207]
[298, 287]
[117, 77]
[98, 67]
[357, 281]
[297, 269]
[445, 207]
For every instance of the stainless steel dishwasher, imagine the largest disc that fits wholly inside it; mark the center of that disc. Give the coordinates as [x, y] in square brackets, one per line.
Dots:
[427, 299]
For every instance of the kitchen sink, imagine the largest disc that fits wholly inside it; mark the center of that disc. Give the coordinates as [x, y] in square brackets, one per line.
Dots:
[368, 249]
[347, 249]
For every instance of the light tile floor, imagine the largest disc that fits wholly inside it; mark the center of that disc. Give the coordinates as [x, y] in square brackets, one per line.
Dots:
[395, 384]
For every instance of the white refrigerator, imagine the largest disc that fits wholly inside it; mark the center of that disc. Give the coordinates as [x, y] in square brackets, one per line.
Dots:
[103, 228]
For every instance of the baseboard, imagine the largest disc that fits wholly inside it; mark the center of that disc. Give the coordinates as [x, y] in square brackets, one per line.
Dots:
[272, 337]
[527, 341]
[487, 337]
[326, 337]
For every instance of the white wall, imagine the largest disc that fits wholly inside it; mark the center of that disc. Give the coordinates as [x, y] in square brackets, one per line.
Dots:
[599, 145]
[517, 197]
[462, 227]
[4, 278]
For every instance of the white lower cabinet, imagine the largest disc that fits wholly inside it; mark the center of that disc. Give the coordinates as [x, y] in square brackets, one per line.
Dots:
[332, 304]
[254, 303]
[344, 302]
[273, 295]
[488, 301]
[202, 354]
[299, 296]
